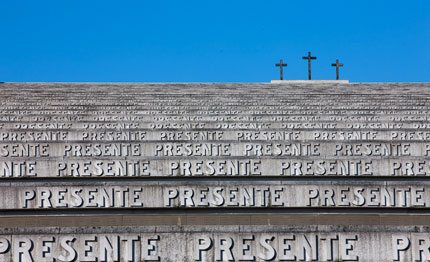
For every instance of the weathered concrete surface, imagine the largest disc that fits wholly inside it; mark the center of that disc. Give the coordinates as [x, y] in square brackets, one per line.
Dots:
[215, 193]
[48, 218]
[221, 243]
[88, 169]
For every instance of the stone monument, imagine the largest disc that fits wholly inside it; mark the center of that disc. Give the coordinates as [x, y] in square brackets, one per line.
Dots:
[314, 171]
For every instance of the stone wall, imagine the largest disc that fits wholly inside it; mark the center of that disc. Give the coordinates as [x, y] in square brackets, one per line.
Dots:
[214, 172]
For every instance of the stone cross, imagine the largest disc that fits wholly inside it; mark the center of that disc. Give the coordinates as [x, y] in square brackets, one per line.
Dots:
[281, 65]
[337, 68]
[309, 58]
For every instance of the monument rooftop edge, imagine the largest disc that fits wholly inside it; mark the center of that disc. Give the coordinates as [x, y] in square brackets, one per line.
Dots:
[327, 87]
[309, 81]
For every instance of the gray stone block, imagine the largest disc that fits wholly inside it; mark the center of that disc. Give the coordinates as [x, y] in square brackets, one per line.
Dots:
[341, 169]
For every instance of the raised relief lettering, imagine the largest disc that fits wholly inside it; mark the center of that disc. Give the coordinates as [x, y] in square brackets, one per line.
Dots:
[102, 150]
[220, 196]
[108, 168]
[87, 197]
[215, 168]
[277, 247]
[197, 149]
[24, 150]
[326, 167]
[17, 168]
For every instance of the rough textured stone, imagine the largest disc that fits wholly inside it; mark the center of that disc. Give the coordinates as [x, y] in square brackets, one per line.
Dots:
[220, 243]
[286, 171]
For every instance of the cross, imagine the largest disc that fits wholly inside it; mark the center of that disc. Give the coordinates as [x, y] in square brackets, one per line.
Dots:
[309, 58]
[281, 65]
[337, 68]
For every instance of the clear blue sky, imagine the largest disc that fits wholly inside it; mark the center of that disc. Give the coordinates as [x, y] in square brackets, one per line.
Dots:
[213, 41]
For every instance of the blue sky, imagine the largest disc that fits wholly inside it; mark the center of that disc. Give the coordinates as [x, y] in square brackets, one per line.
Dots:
[213, 41]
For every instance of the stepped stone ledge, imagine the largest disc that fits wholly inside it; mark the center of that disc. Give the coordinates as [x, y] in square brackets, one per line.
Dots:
[292, 170]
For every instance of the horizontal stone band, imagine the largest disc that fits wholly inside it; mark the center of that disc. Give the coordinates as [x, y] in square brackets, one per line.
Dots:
[208, 243]
[215, 194]
[146, 167]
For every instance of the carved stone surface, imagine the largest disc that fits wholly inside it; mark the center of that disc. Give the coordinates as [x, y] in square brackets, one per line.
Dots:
[203, 172]
[219, 243]
[216, 194]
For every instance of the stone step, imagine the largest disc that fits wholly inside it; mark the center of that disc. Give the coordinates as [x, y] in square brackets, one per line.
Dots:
[157, 171]
[216, 243]
[230, 195]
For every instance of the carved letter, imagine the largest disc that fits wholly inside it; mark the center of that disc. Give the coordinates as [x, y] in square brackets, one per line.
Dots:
[71, 256]
[269, 252]
[4, 245]
[22, 249]
[399, 243]
[172, 193]
[28, 195]
[203, 244]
